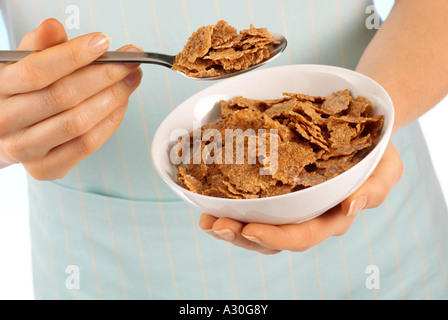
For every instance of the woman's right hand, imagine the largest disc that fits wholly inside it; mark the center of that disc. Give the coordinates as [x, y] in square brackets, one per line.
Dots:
[56, 108]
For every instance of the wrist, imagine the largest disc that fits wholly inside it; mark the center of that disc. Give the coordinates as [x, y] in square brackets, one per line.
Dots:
[395, 92]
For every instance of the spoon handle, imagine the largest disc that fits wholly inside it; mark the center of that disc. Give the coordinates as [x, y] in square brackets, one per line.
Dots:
[137, 57]
[108, 57]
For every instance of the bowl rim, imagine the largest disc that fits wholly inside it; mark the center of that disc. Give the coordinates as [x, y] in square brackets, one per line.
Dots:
[382, 143]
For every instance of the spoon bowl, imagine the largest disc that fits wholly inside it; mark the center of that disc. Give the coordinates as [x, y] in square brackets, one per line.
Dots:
[276, 50]
[164, 60]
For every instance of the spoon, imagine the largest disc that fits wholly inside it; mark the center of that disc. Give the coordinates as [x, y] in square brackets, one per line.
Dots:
[155, 58]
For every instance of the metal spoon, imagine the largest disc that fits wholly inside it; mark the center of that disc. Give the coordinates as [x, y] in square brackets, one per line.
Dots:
[155, 58]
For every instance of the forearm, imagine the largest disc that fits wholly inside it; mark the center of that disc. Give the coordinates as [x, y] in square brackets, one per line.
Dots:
[408, 57]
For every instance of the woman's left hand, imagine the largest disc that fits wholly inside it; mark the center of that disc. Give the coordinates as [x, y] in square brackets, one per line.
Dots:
[270, 239]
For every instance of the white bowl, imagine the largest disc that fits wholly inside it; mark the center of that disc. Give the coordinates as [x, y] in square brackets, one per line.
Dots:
[295, 207]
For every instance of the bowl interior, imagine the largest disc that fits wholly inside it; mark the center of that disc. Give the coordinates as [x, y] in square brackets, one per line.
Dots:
[316, 80]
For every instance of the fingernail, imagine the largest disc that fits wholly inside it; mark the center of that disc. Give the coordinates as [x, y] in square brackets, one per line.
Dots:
[132, 79]
[99, 43]
[357, 205]
[252, 238]
[226, 234]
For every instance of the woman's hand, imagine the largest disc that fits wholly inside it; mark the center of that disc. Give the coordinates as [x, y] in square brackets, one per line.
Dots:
[56, 108]
[269, 239]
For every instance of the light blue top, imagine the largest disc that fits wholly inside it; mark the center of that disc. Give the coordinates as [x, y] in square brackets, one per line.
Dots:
[114, 222]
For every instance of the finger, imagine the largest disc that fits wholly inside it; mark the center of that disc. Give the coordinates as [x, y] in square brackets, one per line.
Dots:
[43, 68]
[299, 237]
[68, 125]
[375, 190]
[63, 94]
[206, 222]
[48, 34]
[230, 230]
[27, 42]
[64, 157]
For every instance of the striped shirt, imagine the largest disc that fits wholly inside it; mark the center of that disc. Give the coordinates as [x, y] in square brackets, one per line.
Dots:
[112, 229]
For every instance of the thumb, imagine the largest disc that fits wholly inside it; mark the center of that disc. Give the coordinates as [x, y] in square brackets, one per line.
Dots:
[49, 33]
[375, 190]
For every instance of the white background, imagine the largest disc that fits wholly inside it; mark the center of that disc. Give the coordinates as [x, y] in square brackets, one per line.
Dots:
[15, 261]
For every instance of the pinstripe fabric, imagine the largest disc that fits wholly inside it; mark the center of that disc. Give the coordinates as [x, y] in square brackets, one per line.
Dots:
[132, 238]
